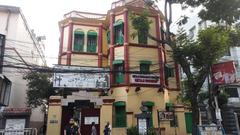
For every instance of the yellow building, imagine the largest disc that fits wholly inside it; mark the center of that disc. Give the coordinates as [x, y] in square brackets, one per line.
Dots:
[143, 72]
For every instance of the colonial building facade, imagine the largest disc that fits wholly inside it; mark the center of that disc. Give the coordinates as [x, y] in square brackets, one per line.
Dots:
[142, 72]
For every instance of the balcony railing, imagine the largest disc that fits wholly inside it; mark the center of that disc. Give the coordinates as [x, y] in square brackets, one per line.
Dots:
[85, 15]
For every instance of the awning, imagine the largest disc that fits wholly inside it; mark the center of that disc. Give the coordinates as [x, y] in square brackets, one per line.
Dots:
[118, 62]
[145, 62]
[148, 103]
[118, 23]
[79, 32]
[119, 103]
[92, 33]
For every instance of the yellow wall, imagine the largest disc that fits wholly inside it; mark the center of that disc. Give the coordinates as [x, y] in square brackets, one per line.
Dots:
[119, 53]
[119, 17]
[85, 29]
[170, 61]
[104, 42]
[64, 60]
[106, 116]
[139, 53]
[151, 31]
[65, 38]
[84, 60]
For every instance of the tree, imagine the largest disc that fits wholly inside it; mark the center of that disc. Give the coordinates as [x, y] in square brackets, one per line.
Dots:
[39, 88]
[210, 46]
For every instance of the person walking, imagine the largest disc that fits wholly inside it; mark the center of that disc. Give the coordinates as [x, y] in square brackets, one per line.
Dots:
[71, 128]
[93, 130]
[107, 129]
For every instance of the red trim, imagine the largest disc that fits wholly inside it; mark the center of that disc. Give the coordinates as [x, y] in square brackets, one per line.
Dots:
[84, 53]
[70, 37]
[61, 46]
[84, 24]
[100, 33]
[111, 46]
[177, 75]
[108, 100]
[84, 13]
[126, 49]
[160, 53]
[142, 45]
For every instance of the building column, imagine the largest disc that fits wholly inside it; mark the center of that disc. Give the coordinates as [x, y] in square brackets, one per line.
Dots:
[160, 53]
[100, 54]
[69, 49]
[61, 46]
[126, 48]
[106, 114]
[54, 116]
[112, 19]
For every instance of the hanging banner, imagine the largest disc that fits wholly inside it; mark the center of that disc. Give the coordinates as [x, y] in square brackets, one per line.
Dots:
[81, 77]
[224, 73]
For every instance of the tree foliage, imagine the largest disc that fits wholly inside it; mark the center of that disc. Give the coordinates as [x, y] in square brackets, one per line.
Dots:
[39, 88]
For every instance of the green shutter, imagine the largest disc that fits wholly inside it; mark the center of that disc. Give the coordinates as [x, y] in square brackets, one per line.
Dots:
[148, 104]
[92, 43]
[142, 36]
[118, 23]
[118, 32]
[120, 114]
[92, 33]
[169, 72]
[145, 62]
[119, 78]
[145, 66]
[188, 122]
[78, 41]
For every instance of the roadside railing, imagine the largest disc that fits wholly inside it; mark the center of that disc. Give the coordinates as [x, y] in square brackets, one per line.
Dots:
[26, 131]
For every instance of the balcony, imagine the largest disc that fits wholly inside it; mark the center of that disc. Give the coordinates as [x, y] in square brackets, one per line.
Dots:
[85, 15]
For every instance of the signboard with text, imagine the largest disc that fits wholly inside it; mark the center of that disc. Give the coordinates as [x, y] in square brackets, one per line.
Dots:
[145, 79]
[224, 73]
[165, 115]
[81, 77]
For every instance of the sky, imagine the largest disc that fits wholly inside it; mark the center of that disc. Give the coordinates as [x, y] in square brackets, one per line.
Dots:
[43, 16]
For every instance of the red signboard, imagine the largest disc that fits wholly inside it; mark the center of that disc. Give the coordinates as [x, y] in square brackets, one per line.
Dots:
[224, 73]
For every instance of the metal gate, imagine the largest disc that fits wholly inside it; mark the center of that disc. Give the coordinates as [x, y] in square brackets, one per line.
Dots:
[26, 131]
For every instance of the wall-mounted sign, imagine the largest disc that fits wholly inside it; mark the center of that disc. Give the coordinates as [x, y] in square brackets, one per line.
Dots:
[224, 73]
[145, 79]
[81, 77]
[89, 120]
[164, 115]
[142, 126]
[15, 124]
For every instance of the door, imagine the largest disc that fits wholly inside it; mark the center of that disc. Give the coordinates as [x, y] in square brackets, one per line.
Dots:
[89, 115]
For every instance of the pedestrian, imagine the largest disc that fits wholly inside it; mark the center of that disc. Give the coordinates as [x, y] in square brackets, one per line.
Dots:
[93, 130]
[107, 129]
[71, 128]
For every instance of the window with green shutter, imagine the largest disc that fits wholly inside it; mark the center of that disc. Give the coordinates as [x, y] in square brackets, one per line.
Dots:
[118, 32]
[150, 105]
[143, 36]
[108, 37]
[120, 114]
[145, 66]
[118, 66]
[188, 122]
[78, 41]
[174, 122]
[92, 42]
[169, 71]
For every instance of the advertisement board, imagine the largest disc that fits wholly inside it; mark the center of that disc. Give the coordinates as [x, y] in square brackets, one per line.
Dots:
[81, 77]
[165, 116]
[224, 73]
[145, 79]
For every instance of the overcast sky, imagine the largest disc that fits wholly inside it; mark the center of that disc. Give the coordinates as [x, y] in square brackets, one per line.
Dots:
[43, 17]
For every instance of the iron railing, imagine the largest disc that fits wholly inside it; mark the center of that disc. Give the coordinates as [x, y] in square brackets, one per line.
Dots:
[26, 131]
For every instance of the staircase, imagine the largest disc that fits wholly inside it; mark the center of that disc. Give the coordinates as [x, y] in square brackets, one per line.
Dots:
[229, 122]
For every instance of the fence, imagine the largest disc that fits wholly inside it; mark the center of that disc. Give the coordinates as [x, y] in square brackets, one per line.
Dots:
[26, 131]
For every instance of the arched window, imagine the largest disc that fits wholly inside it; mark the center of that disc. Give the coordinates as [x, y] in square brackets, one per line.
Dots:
[78, 40]
[91, 41]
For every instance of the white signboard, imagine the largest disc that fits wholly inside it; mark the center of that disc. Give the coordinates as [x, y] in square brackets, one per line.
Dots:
[145, 79]
[81, 77]
[142, 126]
[89, 120]
[15, 124]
